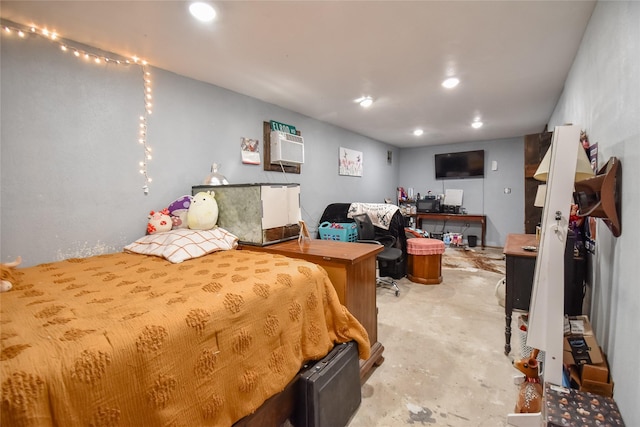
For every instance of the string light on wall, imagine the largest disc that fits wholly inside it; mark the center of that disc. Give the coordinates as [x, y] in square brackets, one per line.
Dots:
[10, 28]
[146, 77]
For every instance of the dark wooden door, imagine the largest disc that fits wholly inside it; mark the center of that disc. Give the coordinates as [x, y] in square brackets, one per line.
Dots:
[535, 147]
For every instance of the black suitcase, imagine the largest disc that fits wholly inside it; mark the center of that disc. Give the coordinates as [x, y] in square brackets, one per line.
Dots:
[330, 389]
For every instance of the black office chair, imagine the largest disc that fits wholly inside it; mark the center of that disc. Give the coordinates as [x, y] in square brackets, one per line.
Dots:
[389, 255]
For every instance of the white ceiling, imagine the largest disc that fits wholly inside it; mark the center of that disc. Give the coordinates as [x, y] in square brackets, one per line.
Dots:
[316, 57]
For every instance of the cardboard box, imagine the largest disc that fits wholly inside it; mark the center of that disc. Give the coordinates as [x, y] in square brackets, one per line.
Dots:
[592, 378]
[581, 350]
[598, 372]
[579, 325]
[580, 346]
[596, 387]
[588, 368]
[570, 407]
[596, 379]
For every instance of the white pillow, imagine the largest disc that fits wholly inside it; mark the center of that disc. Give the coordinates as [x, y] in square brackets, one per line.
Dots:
[183, 243]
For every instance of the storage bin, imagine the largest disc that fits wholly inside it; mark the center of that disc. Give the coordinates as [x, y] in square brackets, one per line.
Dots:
[425, 260]
[342, 231]
[525, 350]
[258, 214]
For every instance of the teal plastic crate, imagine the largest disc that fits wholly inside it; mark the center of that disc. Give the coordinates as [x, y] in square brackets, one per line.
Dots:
[341, 231]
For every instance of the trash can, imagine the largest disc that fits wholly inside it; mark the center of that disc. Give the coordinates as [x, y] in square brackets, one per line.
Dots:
[472, 240]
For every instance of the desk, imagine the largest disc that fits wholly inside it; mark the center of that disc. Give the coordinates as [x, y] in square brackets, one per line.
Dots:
[521, 266]
[352, 270]
[433, 216]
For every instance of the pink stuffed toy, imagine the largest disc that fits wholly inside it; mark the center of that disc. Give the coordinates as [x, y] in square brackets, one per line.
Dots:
[159, 222]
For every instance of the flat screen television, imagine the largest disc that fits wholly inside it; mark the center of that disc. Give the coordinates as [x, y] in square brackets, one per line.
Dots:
[465, 164]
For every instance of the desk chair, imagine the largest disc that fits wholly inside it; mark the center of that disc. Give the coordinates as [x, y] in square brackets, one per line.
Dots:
[389, 255]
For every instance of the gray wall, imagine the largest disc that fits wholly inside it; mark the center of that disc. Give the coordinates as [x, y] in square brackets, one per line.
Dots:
[69, 151]
[70, 186]
[487, 196]
[602, 95]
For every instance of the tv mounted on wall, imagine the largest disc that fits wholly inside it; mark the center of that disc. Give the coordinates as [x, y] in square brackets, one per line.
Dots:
[465, 164]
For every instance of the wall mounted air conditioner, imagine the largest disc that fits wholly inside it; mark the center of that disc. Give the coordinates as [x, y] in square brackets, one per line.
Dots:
[286, 148]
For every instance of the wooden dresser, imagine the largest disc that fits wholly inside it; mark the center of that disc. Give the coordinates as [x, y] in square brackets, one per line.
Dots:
[352, 270]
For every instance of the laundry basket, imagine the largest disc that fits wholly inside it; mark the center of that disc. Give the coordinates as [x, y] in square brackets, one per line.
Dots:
[525, 350]
[342, 231]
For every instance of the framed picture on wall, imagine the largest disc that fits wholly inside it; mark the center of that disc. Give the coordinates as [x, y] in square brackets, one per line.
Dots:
[350, 162]
[250, 151]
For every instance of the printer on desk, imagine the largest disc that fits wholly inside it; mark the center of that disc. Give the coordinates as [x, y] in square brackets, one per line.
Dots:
[452, 201]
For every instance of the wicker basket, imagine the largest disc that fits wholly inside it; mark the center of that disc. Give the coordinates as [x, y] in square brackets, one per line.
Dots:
[342, 231]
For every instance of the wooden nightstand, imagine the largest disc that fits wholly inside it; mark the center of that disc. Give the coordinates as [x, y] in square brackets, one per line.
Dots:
[352, 270]
[521, 265]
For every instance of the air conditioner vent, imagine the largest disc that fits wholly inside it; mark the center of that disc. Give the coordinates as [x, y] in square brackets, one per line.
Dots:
[286, 148]
[294, 138]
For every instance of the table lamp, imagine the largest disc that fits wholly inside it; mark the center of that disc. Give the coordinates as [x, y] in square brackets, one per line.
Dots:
[541, 193]
[583, 166]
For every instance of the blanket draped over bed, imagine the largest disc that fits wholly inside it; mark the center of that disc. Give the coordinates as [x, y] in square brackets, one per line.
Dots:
[132, 340]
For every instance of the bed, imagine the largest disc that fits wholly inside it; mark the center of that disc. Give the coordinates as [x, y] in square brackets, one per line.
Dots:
[126, 339]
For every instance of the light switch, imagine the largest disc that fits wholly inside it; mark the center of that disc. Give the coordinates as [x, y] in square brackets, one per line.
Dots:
[494, 165]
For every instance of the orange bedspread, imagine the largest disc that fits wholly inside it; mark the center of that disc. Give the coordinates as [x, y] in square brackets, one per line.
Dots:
[133, 340]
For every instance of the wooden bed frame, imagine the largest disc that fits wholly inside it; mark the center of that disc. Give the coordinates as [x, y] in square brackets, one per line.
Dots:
[276, 410]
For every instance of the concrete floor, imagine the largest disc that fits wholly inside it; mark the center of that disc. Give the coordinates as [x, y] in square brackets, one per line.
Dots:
[444, 350]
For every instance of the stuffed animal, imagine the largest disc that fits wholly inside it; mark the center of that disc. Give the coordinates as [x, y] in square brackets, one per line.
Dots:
[8, 276]
[159, 222]
[203, 211]
[530, 393]
[178, 211]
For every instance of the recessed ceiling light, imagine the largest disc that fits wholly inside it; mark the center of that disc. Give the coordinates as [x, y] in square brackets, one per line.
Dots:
[477, 124]
[450, 83]
[418, 132]
[202, 11]
[364, 101]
